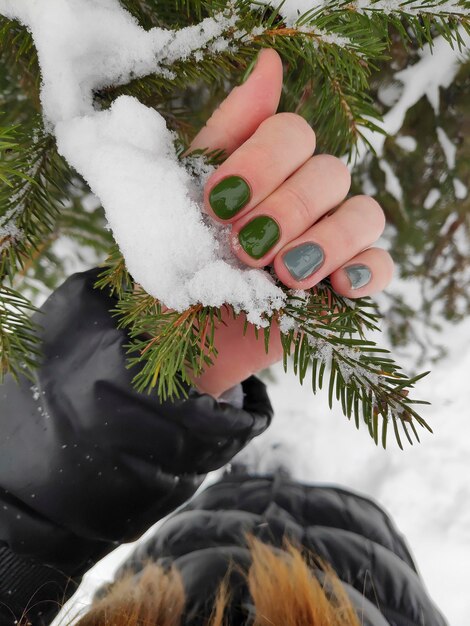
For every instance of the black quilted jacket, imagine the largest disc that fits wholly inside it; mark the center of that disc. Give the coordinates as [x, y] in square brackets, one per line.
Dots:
[86, 463]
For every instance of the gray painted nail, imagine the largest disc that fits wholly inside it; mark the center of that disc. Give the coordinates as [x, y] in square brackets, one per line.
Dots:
[304, 260]
[359, 275]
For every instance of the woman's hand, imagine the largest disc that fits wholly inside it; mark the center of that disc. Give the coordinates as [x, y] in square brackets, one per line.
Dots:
[286, 208]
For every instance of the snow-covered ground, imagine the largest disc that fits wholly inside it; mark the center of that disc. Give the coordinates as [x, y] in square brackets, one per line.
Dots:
[426, 487]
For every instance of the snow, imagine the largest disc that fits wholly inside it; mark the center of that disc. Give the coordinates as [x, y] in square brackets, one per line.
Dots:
[461, 190]
[389, 93]
[81, 48]
[9, 233]
[127, 154]
[406, 143]
[392, 183]
[424, 78]
[448, 147]
[291, 10]
[431, 199]
[414, 7]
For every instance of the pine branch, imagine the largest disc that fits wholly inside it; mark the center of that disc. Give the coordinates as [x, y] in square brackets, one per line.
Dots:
[321, 332]
[28, 210]
[368, 384]
[18, 340]
[115, 278]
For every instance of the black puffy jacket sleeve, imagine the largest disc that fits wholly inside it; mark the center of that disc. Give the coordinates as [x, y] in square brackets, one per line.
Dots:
[86, 462]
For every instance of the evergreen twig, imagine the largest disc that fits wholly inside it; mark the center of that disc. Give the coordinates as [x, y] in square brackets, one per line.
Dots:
[323, 333]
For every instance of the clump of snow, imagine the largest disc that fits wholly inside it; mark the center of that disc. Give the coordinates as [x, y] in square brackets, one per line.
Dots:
[9, 233]
[431, 199]
[286, 324]
[127, 154]
[415, 7]
[392, 183]
[320, 35]
[406, 143]
[424, 78]
[292, 10]
[461, 190]
[447, 146]
[85, 45]
[389, 93]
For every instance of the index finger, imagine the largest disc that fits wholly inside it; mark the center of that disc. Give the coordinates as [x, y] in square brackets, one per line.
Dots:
[245, 107]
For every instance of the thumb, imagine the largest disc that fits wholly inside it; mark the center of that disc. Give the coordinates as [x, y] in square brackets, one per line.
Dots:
[245, 107]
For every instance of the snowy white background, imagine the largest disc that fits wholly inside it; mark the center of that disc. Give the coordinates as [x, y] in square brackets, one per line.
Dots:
[426, 488]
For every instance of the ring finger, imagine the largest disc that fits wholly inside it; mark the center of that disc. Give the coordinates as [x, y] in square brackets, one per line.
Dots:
[364, 275]
[330, 243]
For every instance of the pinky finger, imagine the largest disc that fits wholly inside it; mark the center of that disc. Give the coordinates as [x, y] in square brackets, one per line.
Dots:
[365, 274]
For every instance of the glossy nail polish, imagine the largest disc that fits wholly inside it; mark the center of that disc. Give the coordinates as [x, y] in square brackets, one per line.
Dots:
[259, 236]
[229, 197]
[359, 275]
[304, 260]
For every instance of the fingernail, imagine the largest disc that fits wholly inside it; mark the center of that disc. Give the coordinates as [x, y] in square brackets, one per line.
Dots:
[359, 275]
[259, 236]
[249, 69]
[229, 197]
[304, 260]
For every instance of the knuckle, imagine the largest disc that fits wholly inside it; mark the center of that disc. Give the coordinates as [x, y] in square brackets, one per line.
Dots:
[336, 167]
[295, 123]
[374, 213]
[217, 122]
[262, 154]
[300, 202]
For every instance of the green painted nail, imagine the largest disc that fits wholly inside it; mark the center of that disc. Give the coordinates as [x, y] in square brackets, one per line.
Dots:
[229, 197]
[259, 236]
[304, 260]
[359, 275]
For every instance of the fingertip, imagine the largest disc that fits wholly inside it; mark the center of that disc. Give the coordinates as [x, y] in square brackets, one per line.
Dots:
[264, 85]
[270, 60]
[247, 105]
[365, 275]
[286, 277]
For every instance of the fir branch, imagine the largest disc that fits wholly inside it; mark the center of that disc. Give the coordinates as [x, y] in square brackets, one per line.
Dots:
[335, 46]
[368, 384]
[168, 347]
[322, 331]
[115, 277]
[10, 168]
[18, 340]
[31, 203]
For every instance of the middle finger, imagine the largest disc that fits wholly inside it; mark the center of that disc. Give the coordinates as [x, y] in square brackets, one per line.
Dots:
[279, 146]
